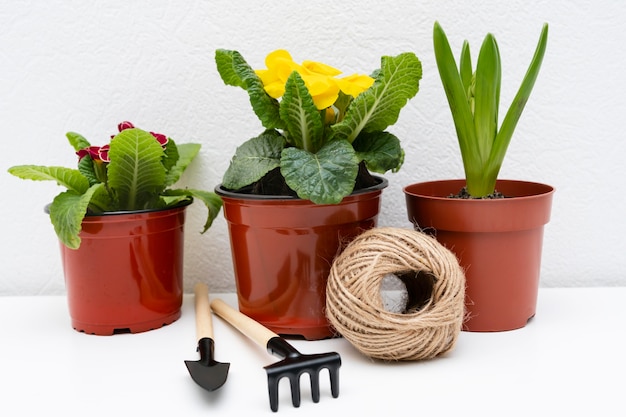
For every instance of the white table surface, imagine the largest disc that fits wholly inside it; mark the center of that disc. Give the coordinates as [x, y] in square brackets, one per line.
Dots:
[570, 360]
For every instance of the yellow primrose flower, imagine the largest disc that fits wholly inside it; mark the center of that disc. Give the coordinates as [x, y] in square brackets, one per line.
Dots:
[355, 84]
[279, 66]
[323, 89]
[318, 78]
[320, 68]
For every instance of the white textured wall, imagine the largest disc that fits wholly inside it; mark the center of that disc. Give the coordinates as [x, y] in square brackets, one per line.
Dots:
[85, 66]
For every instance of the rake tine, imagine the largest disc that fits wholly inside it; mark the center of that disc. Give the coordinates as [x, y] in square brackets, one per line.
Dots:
[272, 386]
[334, 382]
[315, 386]
[294, 381]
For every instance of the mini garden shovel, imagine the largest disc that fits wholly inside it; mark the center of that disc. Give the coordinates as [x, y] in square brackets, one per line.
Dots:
[293, 363]
[207, 372]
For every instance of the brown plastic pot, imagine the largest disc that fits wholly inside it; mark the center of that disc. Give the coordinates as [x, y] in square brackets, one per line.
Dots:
[127, 274]
[282, 250]
[497, 241]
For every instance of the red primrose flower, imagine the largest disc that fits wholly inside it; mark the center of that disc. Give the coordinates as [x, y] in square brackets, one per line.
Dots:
[101, 153]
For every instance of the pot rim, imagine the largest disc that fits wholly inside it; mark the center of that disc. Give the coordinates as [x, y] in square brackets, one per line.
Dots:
[546, 189]
[181, 204]
[223, 192]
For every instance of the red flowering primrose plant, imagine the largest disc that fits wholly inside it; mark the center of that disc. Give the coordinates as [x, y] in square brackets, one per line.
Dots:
[132, 172]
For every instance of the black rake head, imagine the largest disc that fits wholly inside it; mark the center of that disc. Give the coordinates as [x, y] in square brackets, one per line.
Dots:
[293, 365]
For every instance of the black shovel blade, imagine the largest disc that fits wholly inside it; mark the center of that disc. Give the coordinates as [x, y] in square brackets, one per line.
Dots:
[207, 372]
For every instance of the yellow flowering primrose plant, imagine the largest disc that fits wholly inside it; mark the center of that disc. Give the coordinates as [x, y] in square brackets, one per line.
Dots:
[323, 131]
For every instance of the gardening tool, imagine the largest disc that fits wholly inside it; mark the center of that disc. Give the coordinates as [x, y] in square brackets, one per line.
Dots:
[293, 363]
[207, 372]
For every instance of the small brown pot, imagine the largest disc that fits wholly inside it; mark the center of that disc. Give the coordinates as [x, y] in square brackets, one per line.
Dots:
[497, 241]
[127, 274]
[282, 250]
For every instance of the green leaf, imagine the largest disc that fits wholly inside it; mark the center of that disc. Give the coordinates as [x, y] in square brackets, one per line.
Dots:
[381, 151]
[67, 212]
[325, 177]
[458, 102]
[487, 96]
[212, 202]
[77, 141]
[69, 178]
[253, 159]
[170, 158]
[86, 167]
[303, 120]
[465, 66]
[236, 72]
[224, 60]
[101, 201]
[379, 106]
[516, 108]
[185, 153]
[136, 174]
[482, 145]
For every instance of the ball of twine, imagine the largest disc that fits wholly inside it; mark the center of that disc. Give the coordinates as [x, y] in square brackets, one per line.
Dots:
[435, 283]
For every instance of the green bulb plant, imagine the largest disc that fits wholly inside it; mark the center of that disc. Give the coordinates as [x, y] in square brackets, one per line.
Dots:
[326, 133]
[133, 172]
[474, 99]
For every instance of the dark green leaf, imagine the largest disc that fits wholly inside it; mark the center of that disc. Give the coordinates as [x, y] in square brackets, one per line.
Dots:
[225, 67]
[235, 71]
[303, 120]
[86, 167]
[325, 177]
[381, 151]
[253, 159]
[379, 107]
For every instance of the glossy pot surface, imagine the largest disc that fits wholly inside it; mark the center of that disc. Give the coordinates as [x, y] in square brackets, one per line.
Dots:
[498, 243]
[127, 274]
[282, 250]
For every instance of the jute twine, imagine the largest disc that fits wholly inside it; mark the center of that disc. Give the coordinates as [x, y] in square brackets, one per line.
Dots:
[353, 299]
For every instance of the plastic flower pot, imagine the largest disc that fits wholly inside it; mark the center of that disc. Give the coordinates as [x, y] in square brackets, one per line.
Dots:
[127, 274]
[282, 251]
[497, 241]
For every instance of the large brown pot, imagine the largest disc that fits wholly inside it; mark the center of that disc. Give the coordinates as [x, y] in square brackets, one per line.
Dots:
[127, 274]
[497, 241]
[282, 250]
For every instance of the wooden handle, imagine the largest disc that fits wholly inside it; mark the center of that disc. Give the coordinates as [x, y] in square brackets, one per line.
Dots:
[255, 331]
[204, 326]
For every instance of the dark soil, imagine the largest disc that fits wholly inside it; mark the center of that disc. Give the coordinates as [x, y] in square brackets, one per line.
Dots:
[273, 183]
[463, 194]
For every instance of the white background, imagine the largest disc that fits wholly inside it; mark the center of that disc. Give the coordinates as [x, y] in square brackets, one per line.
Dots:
[86, 66]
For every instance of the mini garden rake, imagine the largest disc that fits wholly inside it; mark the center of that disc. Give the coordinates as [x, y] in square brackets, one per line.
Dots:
[292, 364]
